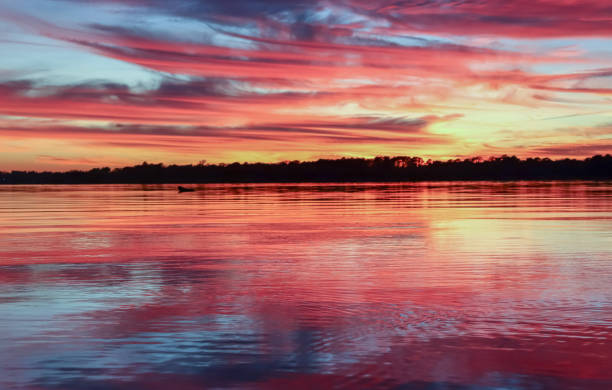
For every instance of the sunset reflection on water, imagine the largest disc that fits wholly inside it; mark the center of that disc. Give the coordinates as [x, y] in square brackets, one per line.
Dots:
[467, 285]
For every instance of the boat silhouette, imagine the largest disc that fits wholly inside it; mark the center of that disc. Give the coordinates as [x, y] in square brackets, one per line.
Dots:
[185, 189]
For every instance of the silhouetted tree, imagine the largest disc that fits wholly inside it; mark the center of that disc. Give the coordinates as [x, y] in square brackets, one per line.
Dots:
[382, 168]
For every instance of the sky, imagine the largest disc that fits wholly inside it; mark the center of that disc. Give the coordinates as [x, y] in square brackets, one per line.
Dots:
[97, 83]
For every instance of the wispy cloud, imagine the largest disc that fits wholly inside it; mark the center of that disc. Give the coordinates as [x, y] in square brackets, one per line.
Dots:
[440, 77]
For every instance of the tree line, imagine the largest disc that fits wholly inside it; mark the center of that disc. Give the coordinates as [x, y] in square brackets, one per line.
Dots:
[400, 168]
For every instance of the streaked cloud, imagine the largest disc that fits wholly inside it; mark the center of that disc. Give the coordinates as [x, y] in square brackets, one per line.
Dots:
[274, 79]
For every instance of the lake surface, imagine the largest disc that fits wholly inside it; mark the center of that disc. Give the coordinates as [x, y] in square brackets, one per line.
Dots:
[468, 285]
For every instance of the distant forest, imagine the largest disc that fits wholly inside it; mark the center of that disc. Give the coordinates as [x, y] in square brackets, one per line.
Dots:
[339, 170]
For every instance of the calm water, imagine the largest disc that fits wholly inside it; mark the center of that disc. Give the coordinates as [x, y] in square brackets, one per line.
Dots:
[408, 286]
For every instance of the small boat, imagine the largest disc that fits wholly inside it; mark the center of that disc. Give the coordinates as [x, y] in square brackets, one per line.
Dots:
[185, 189]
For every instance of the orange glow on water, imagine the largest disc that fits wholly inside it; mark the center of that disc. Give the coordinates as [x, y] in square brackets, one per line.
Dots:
[343, 285]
